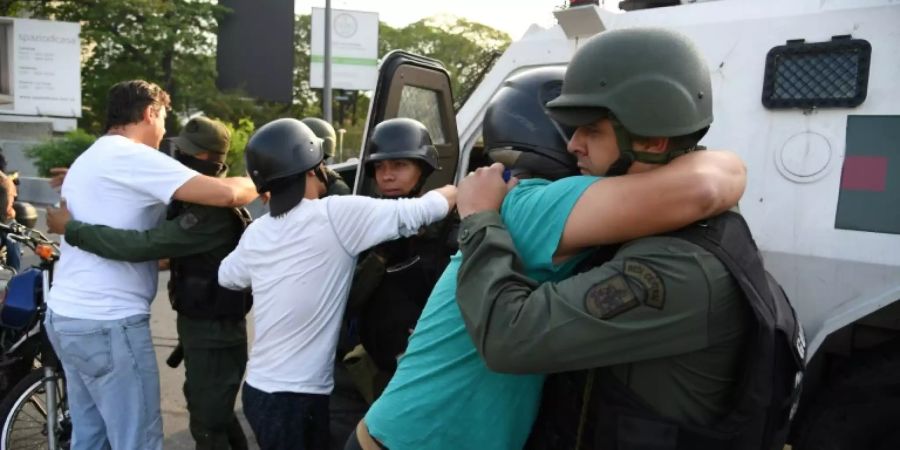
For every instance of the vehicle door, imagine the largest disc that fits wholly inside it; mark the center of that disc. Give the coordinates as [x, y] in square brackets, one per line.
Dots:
[414, 87]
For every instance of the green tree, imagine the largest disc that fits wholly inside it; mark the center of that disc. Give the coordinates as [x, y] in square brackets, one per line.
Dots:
[169, 42]
[172, 43]
[59, 152]
[240, 134]
[467, 49]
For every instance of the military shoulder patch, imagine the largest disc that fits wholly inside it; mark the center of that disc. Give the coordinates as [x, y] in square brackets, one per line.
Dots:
[609, 298]
[188, 220]
[650, 280]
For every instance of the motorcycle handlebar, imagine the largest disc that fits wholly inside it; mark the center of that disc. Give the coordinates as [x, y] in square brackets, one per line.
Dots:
[28, 236]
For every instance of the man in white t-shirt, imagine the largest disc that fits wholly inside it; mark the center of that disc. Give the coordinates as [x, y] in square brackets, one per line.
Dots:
[98, 316]
[299, 261]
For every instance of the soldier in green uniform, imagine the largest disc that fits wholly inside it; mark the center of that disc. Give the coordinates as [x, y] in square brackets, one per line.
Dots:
[335, 185]
[401, 157]
[210, 323]
[655, 330]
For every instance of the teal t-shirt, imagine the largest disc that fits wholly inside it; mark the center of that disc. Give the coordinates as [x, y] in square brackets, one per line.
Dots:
[442, 395]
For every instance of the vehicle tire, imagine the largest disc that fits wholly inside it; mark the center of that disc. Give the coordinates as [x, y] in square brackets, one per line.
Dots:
[858, 409]
[23, 418]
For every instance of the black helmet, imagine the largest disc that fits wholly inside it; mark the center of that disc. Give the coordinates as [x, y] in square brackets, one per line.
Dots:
[279, 149]
[518, 132]
[325, 132]
[26, 214]
[402, 138]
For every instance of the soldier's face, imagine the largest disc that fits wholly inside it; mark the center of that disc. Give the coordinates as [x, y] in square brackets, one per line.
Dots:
[595, 147]
[397, 177]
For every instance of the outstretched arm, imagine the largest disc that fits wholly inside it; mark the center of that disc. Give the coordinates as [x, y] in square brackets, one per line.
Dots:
[192, 232]
[650, 300]
[618, 209]
[212, 191]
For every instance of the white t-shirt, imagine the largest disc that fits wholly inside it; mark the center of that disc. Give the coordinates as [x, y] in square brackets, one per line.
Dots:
[122, 184]
[300, 266]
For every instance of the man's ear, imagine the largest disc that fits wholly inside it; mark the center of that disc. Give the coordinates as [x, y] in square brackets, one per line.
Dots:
[652, 145]
[149, 114]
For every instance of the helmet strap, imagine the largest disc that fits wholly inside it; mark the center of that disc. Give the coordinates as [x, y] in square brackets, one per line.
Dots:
[628, 155]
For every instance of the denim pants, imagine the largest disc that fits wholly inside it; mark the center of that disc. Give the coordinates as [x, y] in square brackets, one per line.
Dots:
[112, 381]
[287, 420]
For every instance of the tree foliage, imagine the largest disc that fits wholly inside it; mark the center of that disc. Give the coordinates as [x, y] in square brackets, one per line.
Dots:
[169, 42]
[467, 48]
[240, 134]
[172, 43]
[60, 152]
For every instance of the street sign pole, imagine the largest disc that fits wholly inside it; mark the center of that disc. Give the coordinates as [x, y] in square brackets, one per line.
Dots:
[326, 89]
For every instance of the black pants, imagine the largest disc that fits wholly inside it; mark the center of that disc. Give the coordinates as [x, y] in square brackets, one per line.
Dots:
[287, 420]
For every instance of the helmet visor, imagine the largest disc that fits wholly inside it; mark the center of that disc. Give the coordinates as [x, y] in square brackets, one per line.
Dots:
[574, 117]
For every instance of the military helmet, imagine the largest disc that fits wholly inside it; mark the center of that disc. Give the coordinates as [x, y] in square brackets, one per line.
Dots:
[280, 149]
[401, 138]
[653, 81]
[517, 131]
[202, 134]
[26, 213]
[325, 132]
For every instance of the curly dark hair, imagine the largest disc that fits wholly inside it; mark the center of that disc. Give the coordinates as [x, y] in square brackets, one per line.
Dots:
[127, 100]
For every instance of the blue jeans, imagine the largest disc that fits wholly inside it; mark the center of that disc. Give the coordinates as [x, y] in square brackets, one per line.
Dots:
[112, 381]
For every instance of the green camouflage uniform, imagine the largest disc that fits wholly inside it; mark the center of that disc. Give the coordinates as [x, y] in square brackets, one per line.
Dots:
[663, 315]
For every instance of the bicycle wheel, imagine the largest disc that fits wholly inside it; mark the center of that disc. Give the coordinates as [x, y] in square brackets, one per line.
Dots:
[23, 415]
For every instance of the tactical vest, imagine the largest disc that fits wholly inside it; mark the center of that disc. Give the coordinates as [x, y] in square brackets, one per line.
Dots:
[412, 267]
[194, 289]
[612, 417]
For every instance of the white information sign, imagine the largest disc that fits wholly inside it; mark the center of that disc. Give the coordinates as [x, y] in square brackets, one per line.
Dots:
[354, 49]
[40, 68]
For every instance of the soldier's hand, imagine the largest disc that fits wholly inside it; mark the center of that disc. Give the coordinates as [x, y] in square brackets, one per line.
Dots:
[483, 190]
[57, 218]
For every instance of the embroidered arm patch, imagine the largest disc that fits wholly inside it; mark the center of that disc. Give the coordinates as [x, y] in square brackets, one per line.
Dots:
[650, 280]
[610, 298]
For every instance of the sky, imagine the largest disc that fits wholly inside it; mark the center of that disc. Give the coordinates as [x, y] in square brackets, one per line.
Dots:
[511, 16]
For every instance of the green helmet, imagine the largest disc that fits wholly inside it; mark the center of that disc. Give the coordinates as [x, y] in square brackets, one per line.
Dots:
[323, 131]
[651, 82]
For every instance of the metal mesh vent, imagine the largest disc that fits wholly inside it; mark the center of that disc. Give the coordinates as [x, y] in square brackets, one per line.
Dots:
[825, 74]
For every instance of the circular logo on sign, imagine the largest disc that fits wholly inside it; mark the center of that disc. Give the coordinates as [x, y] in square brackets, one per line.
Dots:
[345, 25]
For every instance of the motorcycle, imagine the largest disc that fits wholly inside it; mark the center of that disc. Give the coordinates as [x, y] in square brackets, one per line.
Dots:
[34, 410]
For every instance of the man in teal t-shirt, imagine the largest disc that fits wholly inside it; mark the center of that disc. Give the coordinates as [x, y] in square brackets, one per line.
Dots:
[443, 396]
[442, 376]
